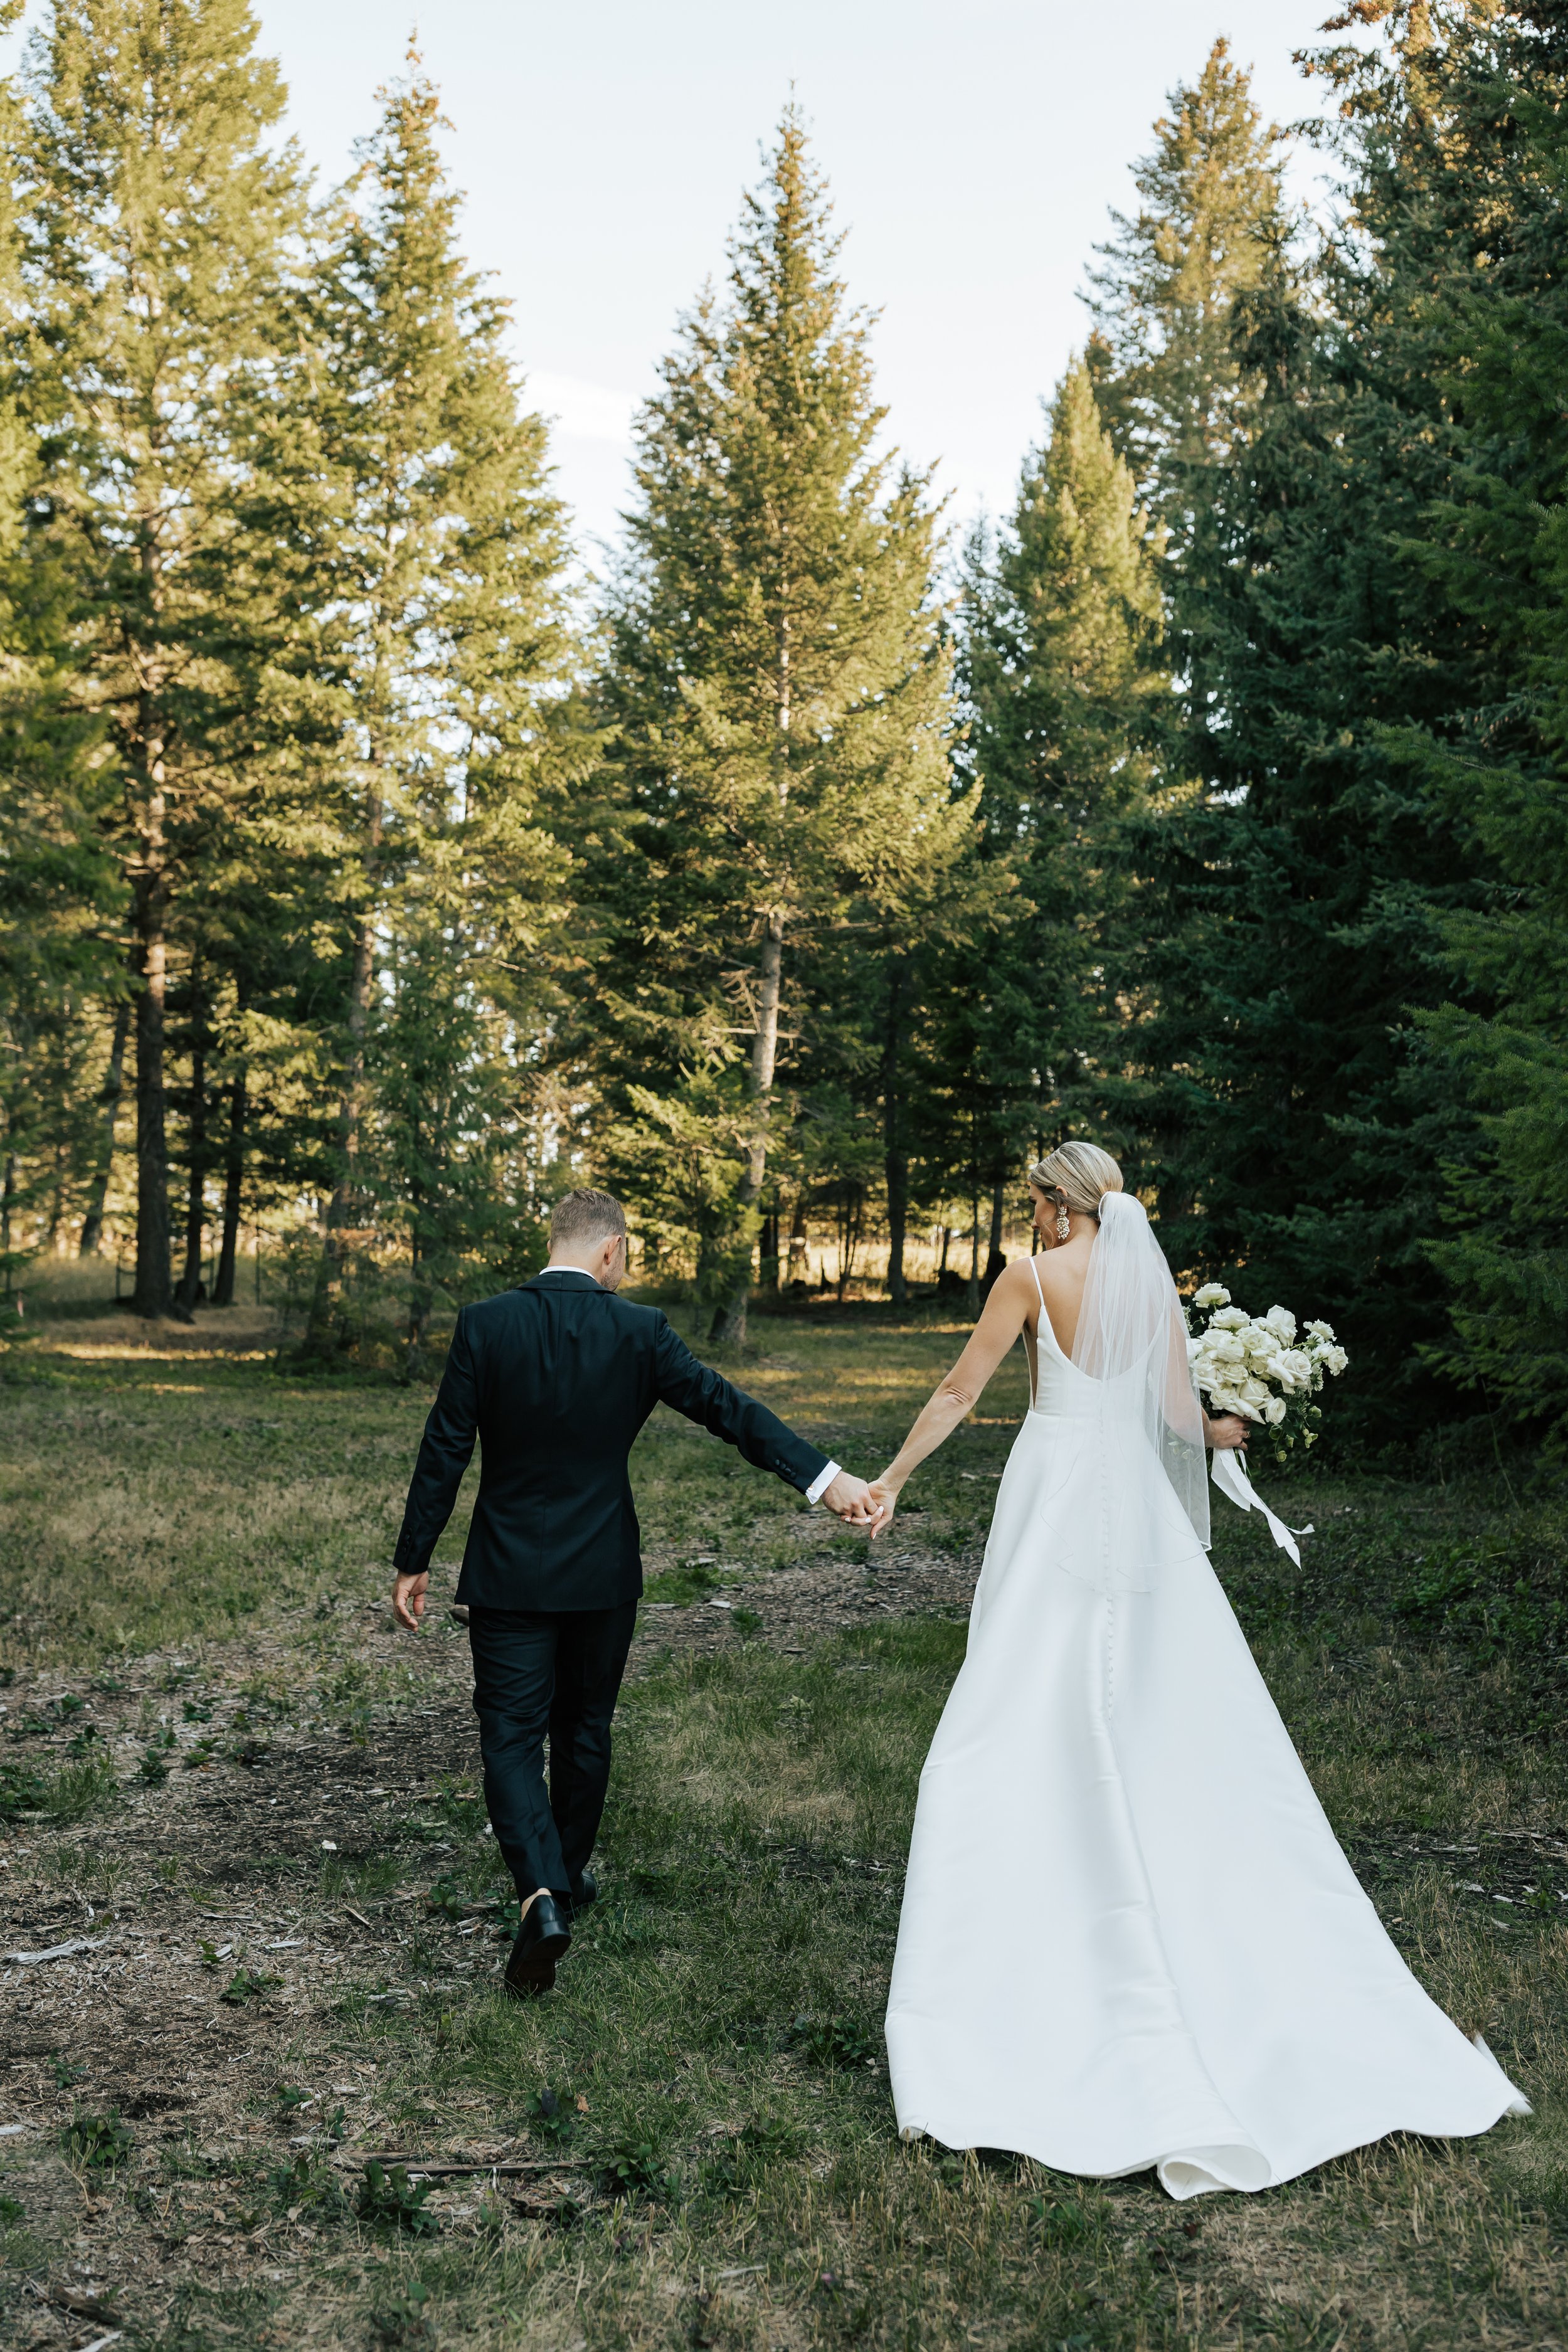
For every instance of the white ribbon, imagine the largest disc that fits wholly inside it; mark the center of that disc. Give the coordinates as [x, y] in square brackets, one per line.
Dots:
[1232, 1479]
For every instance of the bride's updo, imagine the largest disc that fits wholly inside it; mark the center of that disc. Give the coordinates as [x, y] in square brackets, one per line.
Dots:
[1077, 1174]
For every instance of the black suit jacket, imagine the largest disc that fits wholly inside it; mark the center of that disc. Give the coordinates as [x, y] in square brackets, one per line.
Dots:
[555, 1380]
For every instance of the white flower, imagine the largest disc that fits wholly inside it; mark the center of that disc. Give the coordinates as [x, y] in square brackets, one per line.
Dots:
[1333, 1359]
[1280, 1319]
[1214, 1293]
[1322, 1330]
[1274, 1410]
[1227, 1347]
[1195, 1349]
[1254, 1392]
[1295, 1369]
[1232, 1318]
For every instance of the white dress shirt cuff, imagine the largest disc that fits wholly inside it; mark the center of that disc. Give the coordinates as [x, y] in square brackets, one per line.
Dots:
[821, 1483]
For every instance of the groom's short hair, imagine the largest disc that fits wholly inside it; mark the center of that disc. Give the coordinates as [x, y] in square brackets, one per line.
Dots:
[582, 1217]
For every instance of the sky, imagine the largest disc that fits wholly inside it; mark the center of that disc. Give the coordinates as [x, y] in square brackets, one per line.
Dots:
[973, 152]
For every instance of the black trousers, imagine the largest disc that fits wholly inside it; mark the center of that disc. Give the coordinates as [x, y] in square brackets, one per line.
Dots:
[556, 1670]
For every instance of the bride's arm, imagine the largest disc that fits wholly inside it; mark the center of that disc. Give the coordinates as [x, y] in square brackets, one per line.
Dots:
[1003, 1316]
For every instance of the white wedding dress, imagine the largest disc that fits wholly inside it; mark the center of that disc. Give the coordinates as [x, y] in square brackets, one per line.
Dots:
[1130, 1939]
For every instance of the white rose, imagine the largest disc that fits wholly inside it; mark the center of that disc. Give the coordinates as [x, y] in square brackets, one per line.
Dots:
[1254, 1392]
[1322, 1330]
[1333, 1359]
[1195, 1349]
[1226, 1348]
[1230, 1318]
[1274, 1410]
[1295, 1369]
[1280, 1319]
[1214, 1293]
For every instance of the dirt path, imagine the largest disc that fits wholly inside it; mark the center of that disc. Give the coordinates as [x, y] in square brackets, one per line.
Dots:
[130, 1942]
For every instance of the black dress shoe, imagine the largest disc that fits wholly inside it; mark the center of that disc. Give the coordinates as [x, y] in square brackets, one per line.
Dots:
[586, 1891]
[541, 1939]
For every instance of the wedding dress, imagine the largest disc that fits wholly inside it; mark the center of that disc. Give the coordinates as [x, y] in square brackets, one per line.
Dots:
[1130, 1939]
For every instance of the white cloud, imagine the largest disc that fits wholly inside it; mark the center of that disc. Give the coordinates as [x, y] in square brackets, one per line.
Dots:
[586, 411]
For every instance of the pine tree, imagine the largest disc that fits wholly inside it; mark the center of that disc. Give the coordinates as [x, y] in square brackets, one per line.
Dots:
[1460, 119]
[450, 657]
[778, 691]
[156, 211]
[1171, 382]
[1066, 689]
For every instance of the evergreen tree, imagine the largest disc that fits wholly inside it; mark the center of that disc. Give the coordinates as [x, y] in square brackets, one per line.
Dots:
[1066, 689]
[157, 206]
[1458, 116]
[1172, 382]
[777, 690]
[450, 656]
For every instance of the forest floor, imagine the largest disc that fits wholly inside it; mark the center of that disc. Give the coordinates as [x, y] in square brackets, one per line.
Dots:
[251, 1923]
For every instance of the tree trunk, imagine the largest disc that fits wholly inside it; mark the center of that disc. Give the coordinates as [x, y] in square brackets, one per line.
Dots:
[233, 1188]
[345, 1192]
[113, 1088]
[8, 1200]
[895, 1160]
[731, 1323]
[974, 1253]
[995, 1263]
[196, 1177]
[799, 1265]
[150, 1296]
[946, 1245]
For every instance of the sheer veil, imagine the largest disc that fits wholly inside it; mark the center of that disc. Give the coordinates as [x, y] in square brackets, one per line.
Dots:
[1132, 1341]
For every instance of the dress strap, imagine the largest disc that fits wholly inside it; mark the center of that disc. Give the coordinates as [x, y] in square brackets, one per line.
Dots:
[1035, 1362]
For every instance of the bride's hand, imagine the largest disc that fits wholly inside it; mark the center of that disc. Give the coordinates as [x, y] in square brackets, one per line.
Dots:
[1228, 1433]
[885, 1499]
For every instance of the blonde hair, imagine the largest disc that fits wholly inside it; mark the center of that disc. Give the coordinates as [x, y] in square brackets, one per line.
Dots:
[582, 1217]
[1077, 1174]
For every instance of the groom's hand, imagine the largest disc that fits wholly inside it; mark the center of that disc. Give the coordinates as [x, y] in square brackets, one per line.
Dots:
[848, 1499]
[408, 1600]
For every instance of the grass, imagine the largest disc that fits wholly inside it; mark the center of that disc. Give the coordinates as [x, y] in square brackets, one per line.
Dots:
[190, 1544]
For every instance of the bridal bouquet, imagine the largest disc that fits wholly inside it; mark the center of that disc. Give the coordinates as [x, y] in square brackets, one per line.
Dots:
[1260, 1366]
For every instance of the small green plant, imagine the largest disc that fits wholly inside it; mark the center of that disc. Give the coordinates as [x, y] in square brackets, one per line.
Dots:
[633, 2170]
[834, 2041]
[152, 1769]
[308, 2185]
[85, 1740]
[405, 2319]
[22, 1790]
[194, 1714]
[388, 2200]
[290, 2096]
[66, 2073]
[100, 2143]
[551, 2115]
[198, 1755]
[1062, 2223]
[81, 1787]
[11, 2212]
[245, 1985]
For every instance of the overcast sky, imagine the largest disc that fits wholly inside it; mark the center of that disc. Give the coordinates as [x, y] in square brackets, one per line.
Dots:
[974, 151]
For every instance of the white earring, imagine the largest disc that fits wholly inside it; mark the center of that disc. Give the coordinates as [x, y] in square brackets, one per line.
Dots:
[1063, 1227]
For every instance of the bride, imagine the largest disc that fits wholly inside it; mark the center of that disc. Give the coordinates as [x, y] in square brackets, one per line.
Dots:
[1128, 1937]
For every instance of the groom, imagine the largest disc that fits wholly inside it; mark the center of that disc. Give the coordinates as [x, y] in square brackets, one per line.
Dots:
[556, 1379]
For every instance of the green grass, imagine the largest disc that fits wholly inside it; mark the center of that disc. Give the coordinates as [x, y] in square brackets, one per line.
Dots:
[211, 1534]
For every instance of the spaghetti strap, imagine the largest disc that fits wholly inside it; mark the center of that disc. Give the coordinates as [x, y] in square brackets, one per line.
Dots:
[1035, 1363]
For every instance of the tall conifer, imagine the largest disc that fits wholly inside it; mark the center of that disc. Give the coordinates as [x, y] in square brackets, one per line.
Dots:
[778, 691]
[156, 211]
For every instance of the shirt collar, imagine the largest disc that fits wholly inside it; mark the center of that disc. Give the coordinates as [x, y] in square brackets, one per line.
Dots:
[580, 1273]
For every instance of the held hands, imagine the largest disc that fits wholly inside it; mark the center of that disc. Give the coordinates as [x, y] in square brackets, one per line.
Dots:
[886, 1499]
[408, 1594]
[850, 1499]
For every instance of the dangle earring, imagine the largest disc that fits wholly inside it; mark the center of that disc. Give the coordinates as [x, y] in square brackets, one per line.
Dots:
[1063, 1228]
